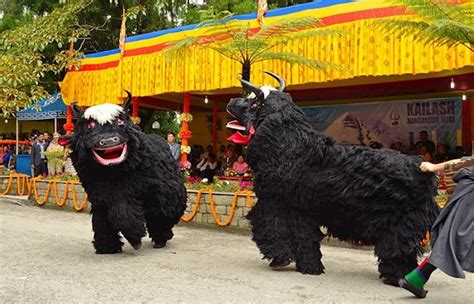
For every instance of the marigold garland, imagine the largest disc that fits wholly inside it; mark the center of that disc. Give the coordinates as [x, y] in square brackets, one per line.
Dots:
[24, 184]
[196, 207]
[74, 200]
[186, 117]
[185, 134]
[13, 142]
[56, 196]
[36, 196]
[232, 210]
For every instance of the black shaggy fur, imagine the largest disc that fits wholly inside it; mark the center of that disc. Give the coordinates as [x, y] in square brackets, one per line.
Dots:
[304, 181]
[144, 192]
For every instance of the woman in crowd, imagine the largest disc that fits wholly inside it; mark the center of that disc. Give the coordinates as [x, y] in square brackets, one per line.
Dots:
[55, 164]
[240, 166]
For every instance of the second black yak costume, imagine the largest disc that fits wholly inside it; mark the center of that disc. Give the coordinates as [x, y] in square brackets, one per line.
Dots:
[131, 179]
[304, 180]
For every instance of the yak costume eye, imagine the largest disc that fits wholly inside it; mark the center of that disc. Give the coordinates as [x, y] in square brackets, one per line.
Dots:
[90, 124]
[119, 122]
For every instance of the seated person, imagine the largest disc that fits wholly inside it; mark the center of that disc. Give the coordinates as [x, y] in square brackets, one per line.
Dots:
[207, 167]
[240, 166]
[441, 154]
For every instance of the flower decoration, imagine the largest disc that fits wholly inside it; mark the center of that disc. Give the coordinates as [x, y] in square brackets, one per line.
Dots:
[13, 142]
[184, 166]
[136, 120]
[185, 149]
[246, 185]
[185, 134]
[186, 117]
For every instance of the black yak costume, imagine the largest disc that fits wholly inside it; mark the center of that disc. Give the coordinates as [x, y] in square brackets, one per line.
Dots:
[131, 179]
[304, 180]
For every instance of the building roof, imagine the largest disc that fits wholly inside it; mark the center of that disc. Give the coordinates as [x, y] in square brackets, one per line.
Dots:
[363, 52]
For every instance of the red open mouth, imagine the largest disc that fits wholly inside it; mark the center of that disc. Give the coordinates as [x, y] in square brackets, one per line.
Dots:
[111, 156]
[238, 137]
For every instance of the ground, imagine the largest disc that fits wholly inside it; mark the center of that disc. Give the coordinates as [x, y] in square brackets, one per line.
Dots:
[46, 256]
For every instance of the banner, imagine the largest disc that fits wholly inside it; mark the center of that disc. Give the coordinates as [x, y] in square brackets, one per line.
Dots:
[388, 122]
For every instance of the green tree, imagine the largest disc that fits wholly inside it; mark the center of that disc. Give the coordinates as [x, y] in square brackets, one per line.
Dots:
[168, 123]
[247, 48]
[440, 23]
[22, 55]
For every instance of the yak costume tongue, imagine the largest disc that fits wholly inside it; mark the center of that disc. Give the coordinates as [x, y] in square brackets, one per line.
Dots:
[238, 137]
[111, 156]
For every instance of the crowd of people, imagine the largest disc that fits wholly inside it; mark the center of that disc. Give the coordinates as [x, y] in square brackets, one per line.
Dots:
[431, 152]
[228, 159]
[207, 164]
[39, 145]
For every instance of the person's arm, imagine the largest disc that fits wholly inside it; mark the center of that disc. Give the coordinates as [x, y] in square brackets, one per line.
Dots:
[200, 165]
[450, 165]
[213, 165]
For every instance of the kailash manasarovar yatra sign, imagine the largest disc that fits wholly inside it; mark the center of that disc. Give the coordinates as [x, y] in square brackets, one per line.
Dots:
[389, 122]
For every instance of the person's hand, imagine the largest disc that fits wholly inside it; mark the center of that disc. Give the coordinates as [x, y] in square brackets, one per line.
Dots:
[32, 166]
[427, 167]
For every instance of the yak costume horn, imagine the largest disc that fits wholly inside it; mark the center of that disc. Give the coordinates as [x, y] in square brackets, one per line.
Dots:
[279, 79]
[126, 103]
[77, 110]
[250, 87]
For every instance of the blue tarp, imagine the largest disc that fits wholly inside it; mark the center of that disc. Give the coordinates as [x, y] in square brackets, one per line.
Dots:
[48, 108]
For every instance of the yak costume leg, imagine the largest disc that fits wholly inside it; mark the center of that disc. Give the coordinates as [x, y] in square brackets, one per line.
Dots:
[397, 254]
[106, 238]
[308, 252]
[128, 218]
[159, 228]
[284, 235]
[271, 232]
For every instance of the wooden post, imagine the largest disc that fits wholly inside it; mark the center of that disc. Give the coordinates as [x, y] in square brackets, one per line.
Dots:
[214, 126]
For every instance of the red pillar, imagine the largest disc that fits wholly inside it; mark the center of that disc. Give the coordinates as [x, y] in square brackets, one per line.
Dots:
[68, 126]
[135, 118]
[468, 124]
[185, 134]
[214, 126]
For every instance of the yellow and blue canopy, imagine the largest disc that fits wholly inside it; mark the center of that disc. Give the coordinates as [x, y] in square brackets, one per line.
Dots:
[364, 51]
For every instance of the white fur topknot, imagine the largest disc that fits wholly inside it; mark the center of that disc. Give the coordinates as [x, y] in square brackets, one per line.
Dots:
[104, 113]
[266, 91]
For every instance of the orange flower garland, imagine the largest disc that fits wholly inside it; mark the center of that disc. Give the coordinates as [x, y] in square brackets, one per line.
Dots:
[196, 207]
[13, 142]
[74, 200]
[232, 210]
[56, 196]
[36, 196]
[24, 185]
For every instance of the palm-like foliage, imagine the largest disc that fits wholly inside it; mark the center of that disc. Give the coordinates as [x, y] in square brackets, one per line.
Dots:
[440, 23]
[249, 46]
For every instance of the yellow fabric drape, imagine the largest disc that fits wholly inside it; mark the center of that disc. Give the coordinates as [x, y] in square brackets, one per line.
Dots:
[363, 51]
